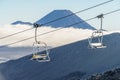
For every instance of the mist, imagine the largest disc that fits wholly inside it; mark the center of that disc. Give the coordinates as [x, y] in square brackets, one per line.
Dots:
[53, 39]
[57, 38]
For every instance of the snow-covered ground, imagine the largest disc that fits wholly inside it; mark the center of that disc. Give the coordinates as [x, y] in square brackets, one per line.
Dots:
[53, 39]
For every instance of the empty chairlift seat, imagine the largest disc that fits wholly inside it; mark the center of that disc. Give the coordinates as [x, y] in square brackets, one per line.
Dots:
[96, 40]
[38, 55]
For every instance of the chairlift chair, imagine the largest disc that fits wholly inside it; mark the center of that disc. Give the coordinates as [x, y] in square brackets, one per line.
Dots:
[96, 40]
[37, 54]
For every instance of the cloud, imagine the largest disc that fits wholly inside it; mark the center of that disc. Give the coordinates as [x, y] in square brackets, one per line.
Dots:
[53, 39]
[57, 38]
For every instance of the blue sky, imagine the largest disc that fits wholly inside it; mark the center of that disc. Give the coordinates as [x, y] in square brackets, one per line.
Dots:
[32, 10]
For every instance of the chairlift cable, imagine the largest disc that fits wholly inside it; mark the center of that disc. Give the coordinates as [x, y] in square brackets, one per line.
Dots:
[56, 29]
[112, 12]
[76, 12]
[58, 19]
[16, 33]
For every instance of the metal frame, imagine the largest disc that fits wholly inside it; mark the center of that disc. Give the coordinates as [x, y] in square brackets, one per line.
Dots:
[96, 40]
[37, 55]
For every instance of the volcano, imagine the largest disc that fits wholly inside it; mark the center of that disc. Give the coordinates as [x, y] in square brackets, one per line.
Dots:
[57, 18]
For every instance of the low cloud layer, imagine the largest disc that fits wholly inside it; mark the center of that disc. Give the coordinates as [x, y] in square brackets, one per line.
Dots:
[57, 38]
[53, 39]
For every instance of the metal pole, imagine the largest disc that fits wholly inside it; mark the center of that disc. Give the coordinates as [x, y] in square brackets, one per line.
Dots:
[36, 27]
[101, 23]
[36, 35]
[101, 20]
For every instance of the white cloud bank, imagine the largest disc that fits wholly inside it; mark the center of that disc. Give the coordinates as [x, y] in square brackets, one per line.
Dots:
[57, 38]
[53, 39]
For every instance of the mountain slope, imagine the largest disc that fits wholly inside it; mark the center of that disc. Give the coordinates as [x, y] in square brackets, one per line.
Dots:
[65, 60]
[108, 75]
[65, 22]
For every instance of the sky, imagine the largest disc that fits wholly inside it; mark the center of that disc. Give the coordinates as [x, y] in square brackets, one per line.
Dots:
[33, 10]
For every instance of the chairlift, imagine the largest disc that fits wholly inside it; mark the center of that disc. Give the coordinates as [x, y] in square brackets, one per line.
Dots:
[96, 40]
[37, 45]
[37, 55]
